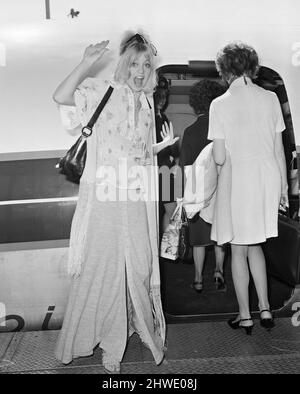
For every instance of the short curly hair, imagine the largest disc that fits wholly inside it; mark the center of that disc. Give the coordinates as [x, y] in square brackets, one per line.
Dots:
[237, 59]
[203, 93]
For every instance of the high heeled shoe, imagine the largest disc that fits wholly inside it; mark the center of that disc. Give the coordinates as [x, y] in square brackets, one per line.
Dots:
[219, 281]
[235, 324]
[267, 323]
[197, 286]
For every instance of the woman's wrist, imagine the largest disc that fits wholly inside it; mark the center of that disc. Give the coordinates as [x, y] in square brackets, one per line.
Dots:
[85, 64]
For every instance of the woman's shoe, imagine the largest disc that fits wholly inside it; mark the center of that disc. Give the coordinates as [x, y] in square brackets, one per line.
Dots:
[235, 324]
[197, 286]
[110, 364]
[219, 280]
[267, 323]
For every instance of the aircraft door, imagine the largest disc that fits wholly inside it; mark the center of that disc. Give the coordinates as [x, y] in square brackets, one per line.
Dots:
[282, 253]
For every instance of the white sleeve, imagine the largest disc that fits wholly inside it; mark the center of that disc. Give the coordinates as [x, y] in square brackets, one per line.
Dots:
[215, 127]
[69, 116]
[87, 96]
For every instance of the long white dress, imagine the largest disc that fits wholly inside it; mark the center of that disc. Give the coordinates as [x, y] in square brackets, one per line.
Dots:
[113, 243]
[247, 117]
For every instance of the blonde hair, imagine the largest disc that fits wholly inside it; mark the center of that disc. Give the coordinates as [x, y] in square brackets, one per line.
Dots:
[128, 55]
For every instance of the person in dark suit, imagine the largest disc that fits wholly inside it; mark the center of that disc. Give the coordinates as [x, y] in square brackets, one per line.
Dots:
[166, 157]
[193, 142]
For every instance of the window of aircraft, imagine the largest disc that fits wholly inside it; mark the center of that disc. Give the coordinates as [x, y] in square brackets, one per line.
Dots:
[282, 253]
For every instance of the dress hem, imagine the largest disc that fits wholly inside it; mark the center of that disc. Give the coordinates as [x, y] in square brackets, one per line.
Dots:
[254, 242]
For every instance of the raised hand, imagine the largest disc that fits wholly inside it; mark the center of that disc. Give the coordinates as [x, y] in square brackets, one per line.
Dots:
[167, 134]
[94, 52]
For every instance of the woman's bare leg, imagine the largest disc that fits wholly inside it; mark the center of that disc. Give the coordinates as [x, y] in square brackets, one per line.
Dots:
[220, 254]
[240, 275]
[199, 256]
[257, 266]
[218, 274]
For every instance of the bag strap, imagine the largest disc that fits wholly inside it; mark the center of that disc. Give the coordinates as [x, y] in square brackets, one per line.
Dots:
[148, 103]
[178, 209]
[294, 160]
[96, 114]
[175, 213]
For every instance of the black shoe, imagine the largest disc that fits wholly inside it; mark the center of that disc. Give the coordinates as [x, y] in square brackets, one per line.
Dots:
[219, 281]
[197, 286]
[267, 323]
[235, 324]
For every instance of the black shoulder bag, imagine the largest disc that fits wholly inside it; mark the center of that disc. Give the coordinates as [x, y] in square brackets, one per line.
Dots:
[72, 164]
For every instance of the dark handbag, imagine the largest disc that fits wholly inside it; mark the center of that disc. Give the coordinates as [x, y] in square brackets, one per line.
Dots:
[72, 164]
[183, 247]
[283, 252]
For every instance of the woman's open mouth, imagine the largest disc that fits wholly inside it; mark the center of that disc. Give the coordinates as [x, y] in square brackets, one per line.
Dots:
[138, 81]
